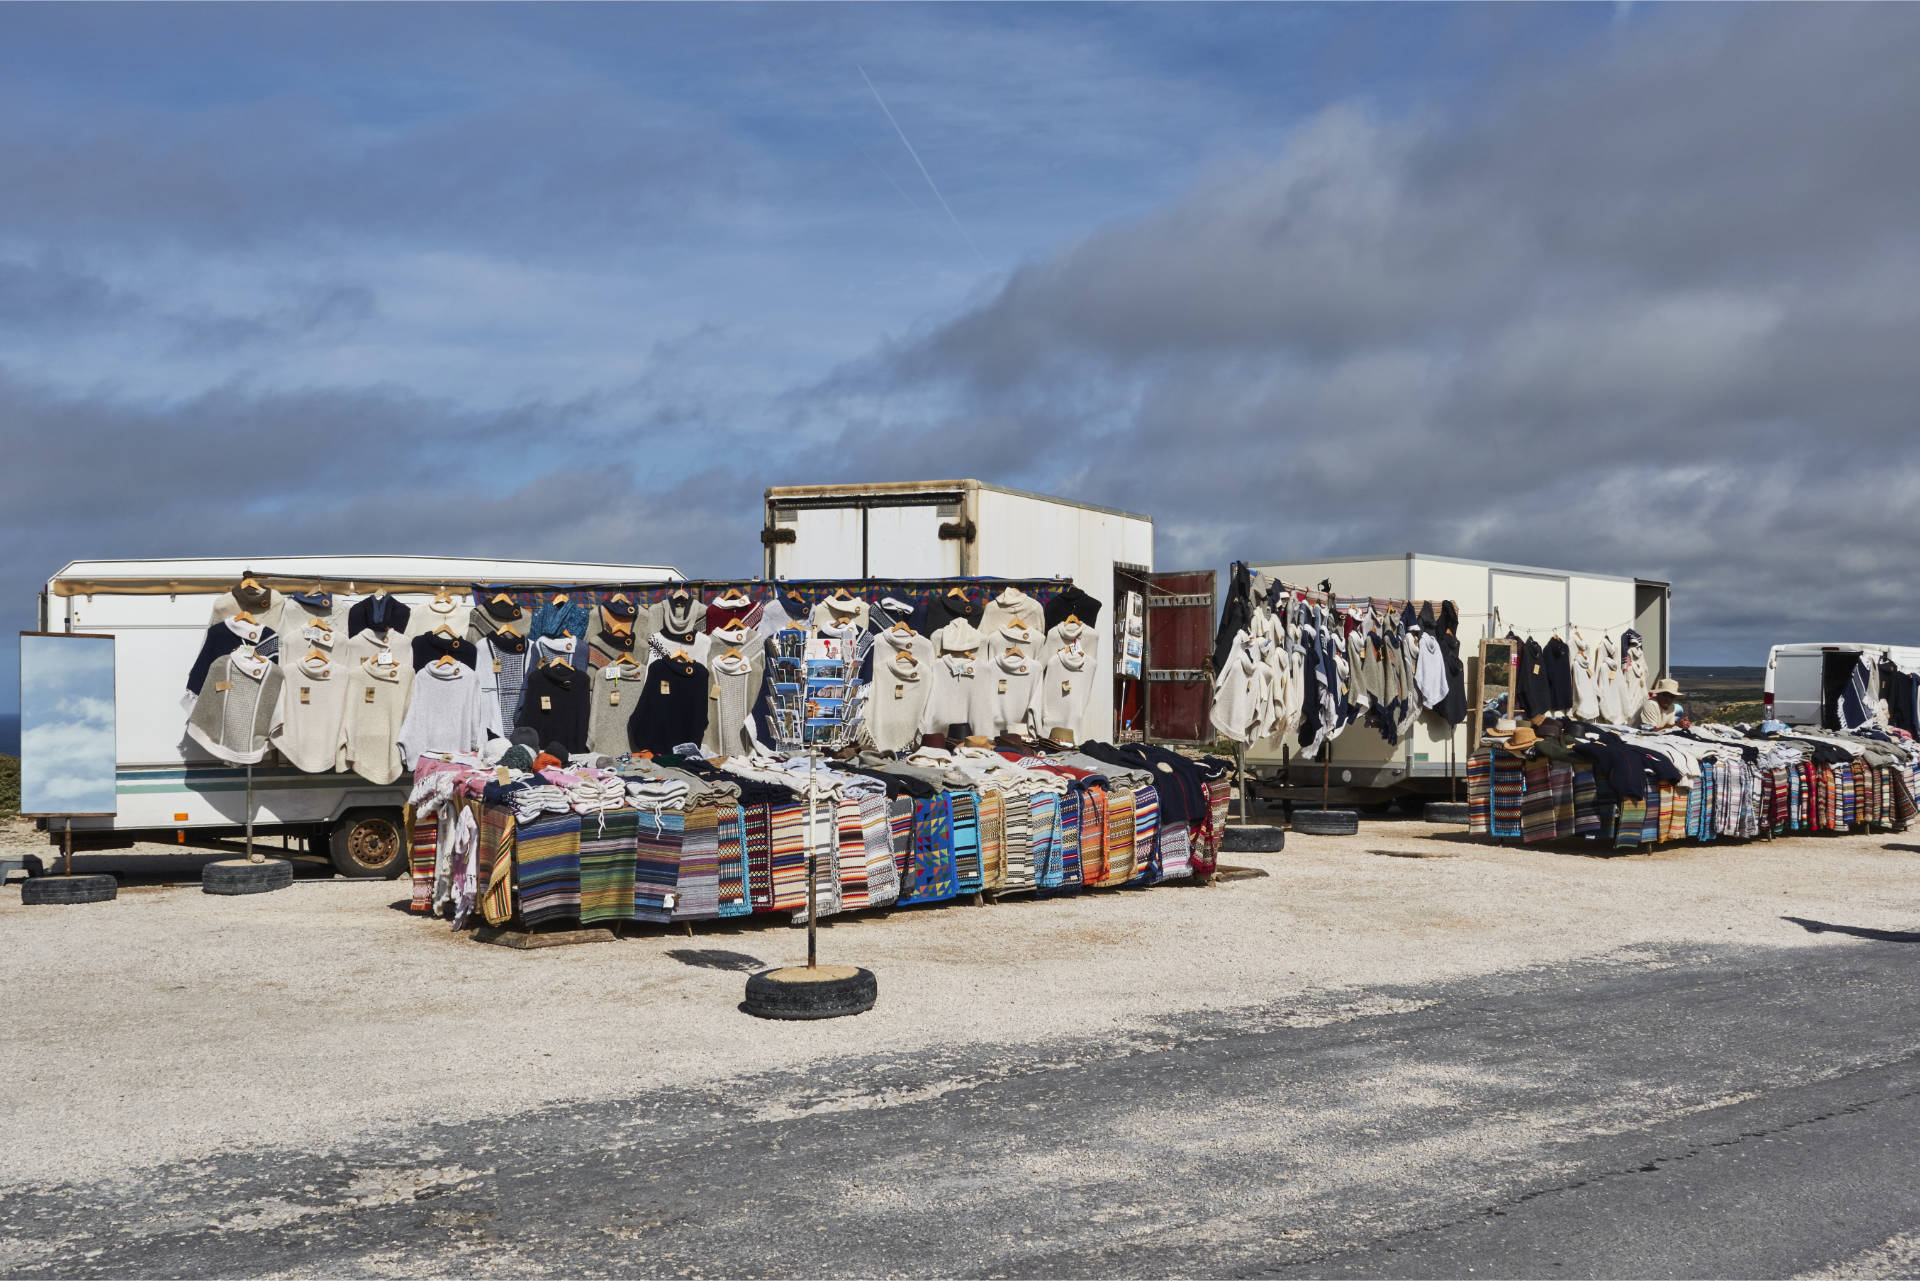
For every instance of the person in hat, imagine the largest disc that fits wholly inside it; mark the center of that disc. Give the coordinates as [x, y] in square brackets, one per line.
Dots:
[1660, 711]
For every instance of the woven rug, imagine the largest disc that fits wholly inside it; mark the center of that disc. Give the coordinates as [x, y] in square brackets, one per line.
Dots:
[930, 876]
[423, 849]
[900, 811]
[548, 869]
[876, 836]
[1066, 869]
[993, 839]
[759, 840]
[1173, 856]
[852, 849]
[1536, 803]
[1146, 823]
[1043, 822]
[966, 841]
[607, 842]
[496, 864]
[1509, 784]
[788, 843]
[1093, 835]
[1560, 780]
[658, 838]
[733, 861]
[1016, 820]
[1480, 792]
[1119, 839]
[697, 892]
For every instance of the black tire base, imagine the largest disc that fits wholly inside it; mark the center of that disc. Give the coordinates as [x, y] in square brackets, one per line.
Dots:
[1445, 812]
[829, 992]
[68, 889]
[1253, 838]
[1326, 822]
[238, 876]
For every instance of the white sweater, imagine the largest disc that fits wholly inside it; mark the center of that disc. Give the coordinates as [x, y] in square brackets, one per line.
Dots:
[1236, 694]
[1010, 604]
[424, 618]
[1003, 696]
[369, 729]
[313, 700]
[950, 695]
[448, 712]
[1060, 697]
[897, 701]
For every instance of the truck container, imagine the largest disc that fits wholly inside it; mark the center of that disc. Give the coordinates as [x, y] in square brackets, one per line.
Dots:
[1804, 680]
[158, 611]
[970, 529]
[1493, 599]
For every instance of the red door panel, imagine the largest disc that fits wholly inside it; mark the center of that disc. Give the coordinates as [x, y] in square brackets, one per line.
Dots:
[1179, 676]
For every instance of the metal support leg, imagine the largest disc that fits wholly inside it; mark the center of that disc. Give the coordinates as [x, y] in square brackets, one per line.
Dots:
[251, 856]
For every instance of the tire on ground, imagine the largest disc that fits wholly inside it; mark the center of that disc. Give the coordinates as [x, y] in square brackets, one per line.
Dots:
[68, 889]
[828, 992]
[238, 876]
[1253, 838]
[367, 844]
[1326, 822]
[1445, 812]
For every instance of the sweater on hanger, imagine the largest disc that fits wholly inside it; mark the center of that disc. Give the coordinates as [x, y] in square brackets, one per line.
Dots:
[234, 714]
[1064, 635]
[1536, 699]
[1003, 695]
[685, 617]
[1014, 635]
[948, 608]
[265, 605]
[1010, 604]
[554, 706]
[752, 646]
[501, 660]
[223, 638]
[434, 646]
[897, 697]
[376, 701]
[1060, 700]
[297, 613]
[452, 613]
[1556, 662]
[889, 610]
[727, 609]
[447, 712]
[612, 695]
[314, 635]
[729, 689]
[1586, 679]
[1071, 602]
[950, 697]
[834, 612]
[490, 616]
[672, 709]
[380, 613]
[313, 702]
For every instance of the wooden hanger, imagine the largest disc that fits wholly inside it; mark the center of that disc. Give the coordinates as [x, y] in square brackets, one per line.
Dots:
[250, 581]
[509, 629]
[443, 660]
[678, 593]
[502, 596]
[244, 617]
[1073, 618]
[441, 595]
[560, 598]
[680, 656]
[732, 653]
[841, 593]
[314, 653]
[446, 631]
[619, 598]
[961, 592]
[901, 626]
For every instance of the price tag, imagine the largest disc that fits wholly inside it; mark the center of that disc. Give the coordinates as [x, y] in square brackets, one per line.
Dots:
[1003, 685]
[496, 667]
[369, 693]
[899, 691]
[1066, 687]
[306, 693]
[613, 697]
[546, 702]
[664, 690]
[221, 687]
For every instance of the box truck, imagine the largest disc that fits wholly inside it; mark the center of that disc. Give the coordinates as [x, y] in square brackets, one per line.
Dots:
[970, 529]
[1493, 599]
[1804, 680]
[166, 785]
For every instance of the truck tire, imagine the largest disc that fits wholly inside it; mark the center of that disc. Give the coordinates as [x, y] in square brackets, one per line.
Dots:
[239, 876]
[68, 889]
[827, 992]
[1445, 812]
[1326, 822]
[368, 844]
[1253, 838]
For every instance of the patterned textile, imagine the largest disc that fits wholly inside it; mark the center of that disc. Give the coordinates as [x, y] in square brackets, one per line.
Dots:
[1632, 824]
[853, 856]
[1206, 845]
[1536, 802]
[1480, 792]
[606, 866]
[1146, 827]
[1673, 814]
[1586, 819]
[1017, 823]
[1700, 810]
[759, 840]
[930, 872]
[1062, 871]
[698, 888]
[876, 836]
[1174, 858]
[1119, 839]
[966, 841]
[1093, 835]
[733, 861]
[658, 838]
[1509, 781]
[993, 839]
[900, 811]
[548, 867]
[788, 844]
[1560, 780]
[496, 864]
[1043, 810]
[423, 850]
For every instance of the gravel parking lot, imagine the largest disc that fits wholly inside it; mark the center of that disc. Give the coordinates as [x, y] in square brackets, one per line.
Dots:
[171, 1025]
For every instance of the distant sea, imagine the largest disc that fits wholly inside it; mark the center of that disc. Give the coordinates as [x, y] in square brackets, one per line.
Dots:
[10, 734]
[1756, 675]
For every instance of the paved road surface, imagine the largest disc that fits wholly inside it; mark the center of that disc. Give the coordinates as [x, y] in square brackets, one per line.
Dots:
[1697, 1112]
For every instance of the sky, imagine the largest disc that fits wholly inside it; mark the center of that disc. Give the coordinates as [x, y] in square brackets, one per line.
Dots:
[67, 726]
[1624, 289]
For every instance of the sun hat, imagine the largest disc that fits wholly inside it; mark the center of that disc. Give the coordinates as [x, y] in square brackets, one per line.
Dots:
[1666, 685]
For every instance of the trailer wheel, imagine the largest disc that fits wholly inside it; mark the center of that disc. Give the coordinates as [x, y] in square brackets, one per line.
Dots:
[368, 844]
[68, 889]
[829, 992]
[242, 876]
[1326, 822]
[1445, 812]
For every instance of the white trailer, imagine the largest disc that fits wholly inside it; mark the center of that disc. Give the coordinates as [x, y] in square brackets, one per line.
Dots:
[1493, 599]
[936, 529]
[158, 611]
[1804, 680]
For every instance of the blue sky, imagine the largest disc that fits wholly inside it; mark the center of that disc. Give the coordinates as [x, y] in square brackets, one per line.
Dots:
[67, 725]
[1621, 289]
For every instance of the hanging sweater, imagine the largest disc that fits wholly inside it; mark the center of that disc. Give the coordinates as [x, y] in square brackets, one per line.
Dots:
[434, 646]
[1072, 602]
[1235, 705]
[448, 712]
[234, 714]
[835, 612]
[223, 638]
[947, 608]
[677, 612]
[501, 661]
[897, 698]
[950, 697]
[311, 636]
[452, 612]
[379, 612]
[264, 604]
[555, 706]
[313, 701]
[672, 708]
[612, 695]
[1003, 695]
[299, 612]
[491, 615]
[1010, 604]
[1060, 700]
[1065, 635]
[1011, 635]
[727, 609]
[1586, 679]
[369, 730]
[730, 680]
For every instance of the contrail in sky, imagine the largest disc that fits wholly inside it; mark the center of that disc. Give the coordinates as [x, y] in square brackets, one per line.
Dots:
[923, 168]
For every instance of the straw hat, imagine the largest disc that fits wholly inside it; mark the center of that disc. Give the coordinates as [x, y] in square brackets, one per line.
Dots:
[1666, 685]
[1522, 738]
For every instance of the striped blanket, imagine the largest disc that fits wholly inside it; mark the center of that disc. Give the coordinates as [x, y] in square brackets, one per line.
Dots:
[733, 861]
[1093, 835]
[1560, 779]
[1146, 823]
[876, 836]
[993, 839]
[1175, 860]
[966, 842]
[852, 849]
[759, 842]
[1536, 802]
[1119, 838]
[900, 811]
[658, 838]
[697, 892]
[930, 874]
[548, 869]
[423, 850]
[607, 842]
[496, 864]
[1016, 821]
[788, 846]
[1480, 792]
[1509, 781]
[1043, 810]
[1067, 877]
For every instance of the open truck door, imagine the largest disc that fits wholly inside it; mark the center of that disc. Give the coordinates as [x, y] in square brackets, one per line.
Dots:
[1179, 656]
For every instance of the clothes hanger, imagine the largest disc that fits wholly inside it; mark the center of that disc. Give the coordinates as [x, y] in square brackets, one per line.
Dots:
[961, 592]
[619, 598]
[443, 660]
[560, 598]
[901, 626]
[441, 595]
[313, 654]
[250, 581]
[509, 629]
[244, 617]
[498, 597]
[446, 631]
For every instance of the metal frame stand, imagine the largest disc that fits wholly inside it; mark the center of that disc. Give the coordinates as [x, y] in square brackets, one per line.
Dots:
[252, 856]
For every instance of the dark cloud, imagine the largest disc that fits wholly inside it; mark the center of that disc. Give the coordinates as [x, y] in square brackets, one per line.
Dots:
[1650, 311]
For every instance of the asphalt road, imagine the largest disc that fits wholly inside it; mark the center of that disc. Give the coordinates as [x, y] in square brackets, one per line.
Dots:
[1699, 1112]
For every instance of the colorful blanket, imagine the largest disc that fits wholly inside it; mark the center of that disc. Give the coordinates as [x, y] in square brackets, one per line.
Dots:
[548, 869]
[659, 837]
[697, 891]
[607, 842]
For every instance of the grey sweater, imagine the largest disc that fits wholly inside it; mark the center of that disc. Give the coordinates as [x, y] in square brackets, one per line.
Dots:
[612, 694]
[313, 698]
[234, 714]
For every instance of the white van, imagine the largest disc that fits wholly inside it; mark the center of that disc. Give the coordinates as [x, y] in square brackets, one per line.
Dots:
[1804, 680]
[157, 611]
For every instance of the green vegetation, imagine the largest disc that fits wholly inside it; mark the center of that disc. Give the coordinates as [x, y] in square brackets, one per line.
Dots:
[9, 786]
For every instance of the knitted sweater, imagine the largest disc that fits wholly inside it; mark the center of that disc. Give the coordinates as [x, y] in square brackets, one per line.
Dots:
[1002, 695]
[223, 638]
[612, 695]
[233, 716]
[672, 708]
[378, 613]
[1080, 636]
[501, 661]
[1014, 634]
[950, 696]
[730, 682]
[1060, 698]
[1072, 602]
[448, 712]
[490, 616]
[727, 609]
[452, 612]
[369, 728]
[684, 617]
[553, 619]
[298, 614]
[555, 706]
[1010, 604]
[433, 646]
[264, 605]
[897, 699]
[948, 608]
[313, 701]
[834, 612]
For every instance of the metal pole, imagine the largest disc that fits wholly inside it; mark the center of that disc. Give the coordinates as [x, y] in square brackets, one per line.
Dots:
[1326, 770]
[251, 856]
[1453, 779]
[66, 836]
[813, 869]
[1240, 766]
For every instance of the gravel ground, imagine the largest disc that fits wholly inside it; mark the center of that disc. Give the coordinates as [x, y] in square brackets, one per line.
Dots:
[171, 1025]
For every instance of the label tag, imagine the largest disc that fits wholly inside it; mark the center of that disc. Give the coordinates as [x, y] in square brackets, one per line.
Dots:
[613, 697]
[369, 693]
[502, 775]
[899, 691]
[306, 693]
[546, 702]
[664, 689]
[713, 690]
[496, 667]
[1536, 669]
[1066, 687]
[1003, 685]
[221, 687]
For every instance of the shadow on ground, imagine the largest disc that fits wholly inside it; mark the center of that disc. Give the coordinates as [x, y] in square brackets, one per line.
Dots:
[1855, 931]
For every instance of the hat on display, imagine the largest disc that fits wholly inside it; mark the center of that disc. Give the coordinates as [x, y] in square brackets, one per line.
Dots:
[1522, 738]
